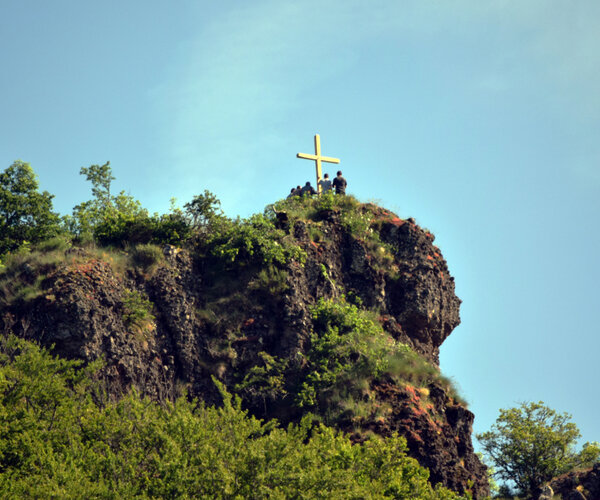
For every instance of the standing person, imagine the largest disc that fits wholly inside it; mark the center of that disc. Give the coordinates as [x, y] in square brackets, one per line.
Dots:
[325, 184]
[308, 189]
[339, 183]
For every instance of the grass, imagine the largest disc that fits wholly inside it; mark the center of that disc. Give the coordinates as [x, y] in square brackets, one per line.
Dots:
[314, 208]
[22, 277]
[349, 350]
[137, 313]
[23, 274]
[146, 257]
[270, 280]
[358, 219]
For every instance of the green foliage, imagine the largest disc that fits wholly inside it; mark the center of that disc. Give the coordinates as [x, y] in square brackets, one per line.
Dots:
[146, 256]
[172, 228]
[533, 443]
[101, 178]
[87, 215]
[255, 240]
[348, 351]
[25, 214]
[265, 381]
[137, 312]
[204, 210]
[57, 442]
[24, 272]
[271, 280]
[121, 220]
[55, 244]
[40, 396]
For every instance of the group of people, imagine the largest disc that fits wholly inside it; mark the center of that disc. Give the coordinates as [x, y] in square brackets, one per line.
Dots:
[326, 185]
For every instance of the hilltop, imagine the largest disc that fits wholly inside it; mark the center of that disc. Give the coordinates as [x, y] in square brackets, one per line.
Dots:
[321, 305]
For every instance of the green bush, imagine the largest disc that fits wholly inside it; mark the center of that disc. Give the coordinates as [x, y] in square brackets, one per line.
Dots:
[146, 256]
[57, 243]
[121, 220]
[348, 351]
[57, 441]
[171, 229]
[255, 240]
[270, 280]
[137, 312]
[264, 381]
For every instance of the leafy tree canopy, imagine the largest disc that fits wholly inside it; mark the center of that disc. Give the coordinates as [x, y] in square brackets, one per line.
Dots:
[93, 216]
[60, 438]
[204, 209]
[120, 219]
[531, 444]
[25, 214]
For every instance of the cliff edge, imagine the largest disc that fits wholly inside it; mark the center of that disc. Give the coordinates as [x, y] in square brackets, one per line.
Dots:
[325, 305]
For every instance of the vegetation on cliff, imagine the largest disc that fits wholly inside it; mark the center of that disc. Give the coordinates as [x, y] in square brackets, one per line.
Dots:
[322, 306]
[62, 437]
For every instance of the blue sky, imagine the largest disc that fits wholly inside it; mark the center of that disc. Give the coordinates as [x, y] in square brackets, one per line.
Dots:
[479, 119]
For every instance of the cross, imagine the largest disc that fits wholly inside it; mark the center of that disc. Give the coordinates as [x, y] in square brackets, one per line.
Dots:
[317, 158]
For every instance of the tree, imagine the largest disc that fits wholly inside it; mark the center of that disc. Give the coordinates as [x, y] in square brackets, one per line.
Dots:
[532, 443]
[25, 214]
[204, 209]
[109, 219]
[60, 437]
[120, 219]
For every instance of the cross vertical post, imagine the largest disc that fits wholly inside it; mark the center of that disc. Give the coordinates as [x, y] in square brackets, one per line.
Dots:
[318, 161]
[317, 158]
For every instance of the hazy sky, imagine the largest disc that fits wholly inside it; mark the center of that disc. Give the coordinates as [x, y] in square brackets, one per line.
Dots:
[478, 118]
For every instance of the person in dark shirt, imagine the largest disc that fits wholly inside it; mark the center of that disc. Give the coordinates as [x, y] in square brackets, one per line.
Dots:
[308, 189]
[339, 183]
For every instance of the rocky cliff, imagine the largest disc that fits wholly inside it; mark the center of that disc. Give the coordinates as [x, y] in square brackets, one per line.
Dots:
[578, 484]
[275, 330]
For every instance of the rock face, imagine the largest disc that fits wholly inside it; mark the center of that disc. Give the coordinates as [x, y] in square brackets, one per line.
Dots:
[578, 485]
[206, 323]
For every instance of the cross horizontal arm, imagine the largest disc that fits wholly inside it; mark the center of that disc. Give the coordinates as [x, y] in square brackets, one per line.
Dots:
[307, 156]
[330, 160]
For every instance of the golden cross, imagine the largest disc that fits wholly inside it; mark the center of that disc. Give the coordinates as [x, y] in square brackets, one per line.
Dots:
[317, 158]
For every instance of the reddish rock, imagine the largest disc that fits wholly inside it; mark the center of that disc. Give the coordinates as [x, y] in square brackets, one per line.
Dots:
[582, 484]
[209, 323]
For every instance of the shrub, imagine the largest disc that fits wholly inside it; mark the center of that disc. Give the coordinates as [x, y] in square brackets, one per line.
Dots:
[171, 229]
[57, 441]
[137, 312]
[146, 256]
[264, 381]
[57, 243]
[249, 241]
[348, 351]
[271, 280]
